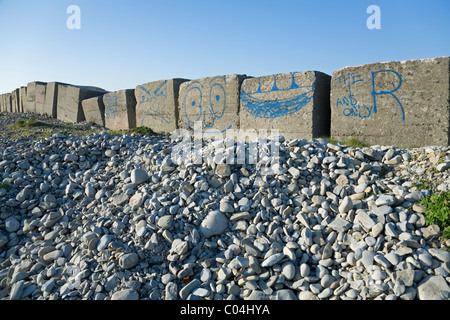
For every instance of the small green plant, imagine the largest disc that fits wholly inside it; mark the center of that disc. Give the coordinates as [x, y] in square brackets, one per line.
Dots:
[423, 185]
[30, 123]
[438, 211]
[5, 186]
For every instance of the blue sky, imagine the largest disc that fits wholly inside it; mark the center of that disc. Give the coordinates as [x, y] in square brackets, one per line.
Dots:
[122, 44]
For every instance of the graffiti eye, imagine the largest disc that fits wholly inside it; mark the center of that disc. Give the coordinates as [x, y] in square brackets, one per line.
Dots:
[217, 100]
[193, 104]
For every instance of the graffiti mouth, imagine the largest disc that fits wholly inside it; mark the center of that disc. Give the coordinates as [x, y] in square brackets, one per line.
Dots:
[270, 109]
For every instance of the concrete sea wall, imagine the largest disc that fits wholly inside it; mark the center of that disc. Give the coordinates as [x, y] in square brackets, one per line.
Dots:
[403, 103]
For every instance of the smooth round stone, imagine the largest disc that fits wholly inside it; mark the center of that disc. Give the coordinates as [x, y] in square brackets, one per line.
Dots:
[127, 294]
[104, 241]
[385, 200]
[129, 260]
[326, 281]
[12, 225]
[53, 255]
[307, 295]
[272, 260]
[110, 153]
[17, 290]
[215, 223]
[165, 222]
[288, 270]
[346, 205]
[226, 207]
[139, 176]
[304, 270]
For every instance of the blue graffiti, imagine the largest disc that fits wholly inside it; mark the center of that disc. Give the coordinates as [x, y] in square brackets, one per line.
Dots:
[111, 105]
[350, 78]
[354, 109]
[153, 100]
[375, 93]
[263, 108]
[215, 109]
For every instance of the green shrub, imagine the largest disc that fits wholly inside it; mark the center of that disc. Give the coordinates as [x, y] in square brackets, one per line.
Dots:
[438, 211]
[30, 123]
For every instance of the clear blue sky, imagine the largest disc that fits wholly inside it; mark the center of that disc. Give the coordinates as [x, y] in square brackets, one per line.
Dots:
[122, 44]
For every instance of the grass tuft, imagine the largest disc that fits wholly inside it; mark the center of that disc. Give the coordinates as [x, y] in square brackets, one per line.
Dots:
[438, 211]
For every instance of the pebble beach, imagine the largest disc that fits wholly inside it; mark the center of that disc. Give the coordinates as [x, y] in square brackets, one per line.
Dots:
[115, 217]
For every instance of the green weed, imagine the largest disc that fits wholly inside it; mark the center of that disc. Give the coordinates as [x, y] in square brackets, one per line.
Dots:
[438, 211]
[5, 186]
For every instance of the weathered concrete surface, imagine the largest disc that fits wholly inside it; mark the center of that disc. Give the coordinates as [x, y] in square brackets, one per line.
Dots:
[22, 98]
[157, 105]
[7, 103]
[213, 102]
[120, 110]
[94, 110]
[295, 104]
[2, 103]
[49, 105]
[40, 89]
[15, 101]
[30, 104]
[69, 108]
[394, 103]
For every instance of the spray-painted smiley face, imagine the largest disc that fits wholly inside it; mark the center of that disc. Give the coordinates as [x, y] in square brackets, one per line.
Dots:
[205, 104]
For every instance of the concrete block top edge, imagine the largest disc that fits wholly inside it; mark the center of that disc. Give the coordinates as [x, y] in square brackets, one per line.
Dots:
[426, 60]
[317, 73]
[127, 91]
[163, 80]
[37, 83]
[239, 78]
[88, 88]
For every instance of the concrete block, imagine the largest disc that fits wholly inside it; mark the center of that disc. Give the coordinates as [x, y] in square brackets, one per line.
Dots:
[69, 108]
[22, 98]
[393, 103]
[46, 99]
[213, 102]
[157, 105]
[40, 93]
[120, 109]
[2, 103]
[296, 104]
[15, 101]
[8, 105]
[30, 104]
[94, 110]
